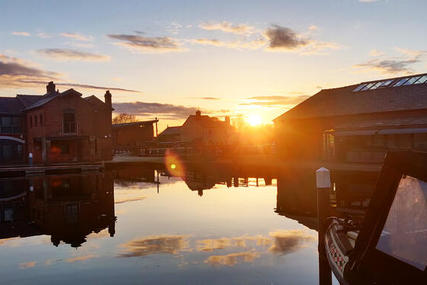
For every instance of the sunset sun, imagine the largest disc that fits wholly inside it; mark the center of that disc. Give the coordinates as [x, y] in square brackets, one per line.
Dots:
[254, 119]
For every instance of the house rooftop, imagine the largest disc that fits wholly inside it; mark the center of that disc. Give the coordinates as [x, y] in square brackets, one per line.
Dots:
[135, 123]
[385, 95]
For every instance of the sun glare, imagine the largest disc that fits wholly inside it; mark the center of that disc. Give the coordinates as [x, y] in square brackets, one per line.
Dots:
[254, 120]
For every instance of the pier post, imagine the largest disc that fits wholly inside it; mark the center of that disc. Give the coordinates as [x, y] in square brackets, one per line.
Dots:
[323, 185]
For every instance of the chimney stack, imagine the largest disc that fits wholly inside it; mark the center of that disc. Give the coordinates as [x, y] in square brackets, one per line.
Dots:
[107, 98]
[50, 88]
[227, 120]
[198, 114]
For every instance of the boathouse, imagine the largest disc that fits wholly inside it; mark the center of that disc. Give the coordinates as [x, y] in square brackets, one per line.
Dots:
[135, 134]
[357, 123]
[55, 127]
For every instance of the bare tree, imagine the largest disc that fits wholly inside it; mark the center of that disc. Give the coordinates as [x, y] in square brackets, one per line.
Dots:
[124, 118]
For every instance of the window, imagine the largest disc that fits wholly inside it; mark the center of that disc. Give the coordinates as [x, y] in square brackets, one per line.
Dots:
[35, 121]
[369, 85]
[412, 80]
[359, 87]
[404, 230]
[60, 147]
[10, 125]
[422, 80]
[400, 82]
[41, 120]
[69, 123]
[31, 121]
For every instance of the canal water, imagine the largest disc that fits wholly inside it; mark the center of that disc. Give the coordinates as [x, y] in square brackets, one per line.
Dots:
[146, 226]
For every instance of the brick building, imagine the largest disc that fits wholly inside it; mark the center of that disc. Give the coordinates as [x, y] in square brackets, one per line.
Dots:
[55, 127]
[357, 123]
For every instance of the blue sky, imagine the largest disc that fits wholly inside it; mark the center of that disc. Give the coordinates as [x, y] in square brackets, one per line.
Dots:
[224, 57]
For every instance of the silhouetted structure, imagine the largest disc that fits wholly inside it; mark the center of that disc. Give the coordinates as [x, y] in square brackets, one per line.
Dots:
[357, 123]
[133, 135]
[170, 135]
[55, 127]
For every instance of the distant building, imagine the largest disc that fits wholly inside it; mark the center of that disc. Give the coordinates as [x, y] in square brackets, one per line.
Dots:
[170, 135]
[134, 134]
[357, 123]
[55, 127]
[203, 129]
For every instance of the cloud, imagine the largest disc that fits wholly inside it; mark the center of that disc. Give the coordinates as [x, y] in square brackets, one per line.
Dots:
[22, 34]
[147, 44]
[14, 72]
[227, 27]
[288, 241]
[313, 28]
[394, 65]
[26, 265]
[84, 86]
[74, 55]
[167, 244]
[80, 258]
[153, 109]
[209, 98]
[239, 44]
[376, 53]
[285, 39]
[76, 36]
[275, 100]
[232, 258]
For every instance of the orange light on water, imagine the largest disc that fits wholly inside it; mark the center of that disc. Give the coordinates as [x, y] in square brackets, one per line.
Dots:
[174, 164]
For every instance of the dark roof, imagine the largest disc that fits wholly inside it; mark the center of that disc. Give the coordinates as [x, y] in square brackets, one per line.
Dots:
[205, 121]
[28, 100]
[50, 96]
[10, 106]
[345, 101]
[171, 131]
[135, 123]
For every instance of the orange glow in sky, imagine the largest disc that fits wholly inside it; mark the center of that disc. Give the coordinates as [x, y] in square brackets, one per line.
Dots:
[254, 119]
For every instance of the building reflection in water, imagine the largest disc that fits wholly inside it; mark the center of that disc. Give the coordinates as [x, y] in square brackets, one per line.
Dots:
[66, 207]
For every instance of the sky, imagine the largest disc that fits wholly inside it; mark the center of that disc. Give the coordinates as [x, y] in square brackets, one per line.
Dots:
[167, 59]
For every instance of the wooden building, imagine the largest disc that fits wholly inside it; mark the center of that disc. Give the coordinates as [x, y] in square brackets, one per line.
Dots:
[56, 127]
[357, 123]
[134, 134]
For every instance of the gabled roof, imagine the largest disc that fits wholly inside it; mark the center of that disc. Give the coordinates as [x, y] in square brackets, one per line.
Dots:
[205, 121]
[170, 131]
[50, 96]
[28, 100]
[350, 101]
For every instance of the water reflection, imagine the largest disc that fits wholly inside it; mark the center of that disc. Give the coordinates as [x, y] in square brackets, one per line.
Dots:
[67, 208]
[213, 224]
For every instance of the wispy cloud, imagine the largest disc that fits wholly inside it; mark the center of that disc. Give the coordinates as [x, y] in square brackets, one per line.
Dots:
[166, 244]
[77, 36]
[227, 27]
[393, 65]
[238, 44]
[154, 109]
[72, 55]
[275, 100]
[22, 34]
[133, 199]
[146, 44]
[84, 86]
[14, 72]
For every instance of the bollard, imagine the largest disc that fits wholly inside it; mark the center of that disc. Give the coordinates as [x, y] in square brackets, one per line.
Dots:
[30, 159]
[323, 185]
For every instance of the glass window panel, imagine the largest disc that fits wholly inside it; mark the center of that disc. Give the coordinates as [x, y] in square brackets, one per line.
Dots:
[423, 79]
[359, 87]
[412, 80]
[405, 230]
[369, 85]
[401, 81]
[376, 85]
[386, 83]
